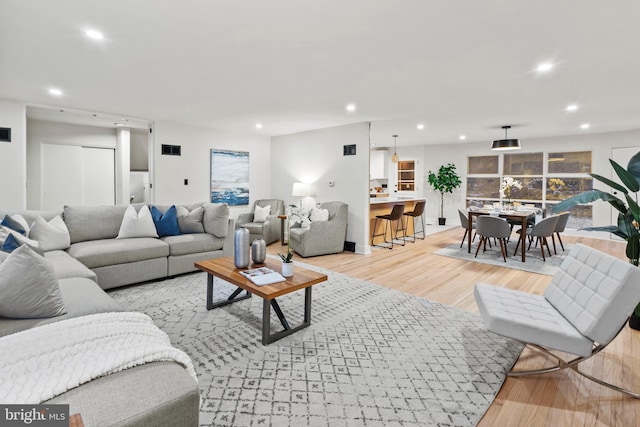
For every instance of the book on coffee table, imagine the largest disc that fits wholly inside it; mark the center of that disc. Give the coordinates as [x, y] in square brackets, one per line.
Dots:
[263, 276]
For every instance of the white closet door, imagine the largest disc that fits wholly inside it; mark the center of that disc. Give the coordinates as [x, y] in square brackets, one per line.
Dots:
[74, 175]
[98, 176]
[61, 176]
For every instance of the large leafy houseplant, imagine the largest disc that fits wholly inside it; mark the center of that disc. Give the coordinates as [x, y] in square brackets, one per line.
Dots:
[627, 207]
[445, 181]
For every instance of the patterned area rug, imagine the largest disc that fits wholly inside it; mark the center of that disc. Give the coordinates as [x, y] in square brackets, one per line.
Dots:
[371, 357]
[533, 257]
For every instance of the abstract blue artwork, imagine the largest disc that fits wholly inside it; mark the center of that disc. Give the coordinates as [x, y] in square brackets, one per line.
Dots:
[230, 177]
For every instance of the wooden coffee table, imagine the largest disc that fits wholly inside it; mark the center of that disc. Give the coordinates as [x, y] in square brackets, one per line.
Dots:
[302, 278]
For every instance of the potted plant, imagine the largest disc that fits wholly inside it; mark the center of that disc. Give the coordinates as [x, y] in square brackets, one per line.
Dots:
[445, 181]
[628, 212]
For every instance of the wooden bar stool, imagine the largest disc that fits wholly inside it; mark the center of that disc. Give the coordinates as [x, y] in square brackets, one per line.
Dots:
[418, 211]
[395, 215]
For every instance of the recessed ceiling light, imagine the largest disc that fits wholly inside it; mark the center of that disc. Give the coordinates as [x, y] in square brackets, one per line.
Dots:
[544, 67]
[55, 92]
[463, 137]
[571, 107]
[93, 34]
[420, 126]
[351, 108]
[258, 125]
[585, 126]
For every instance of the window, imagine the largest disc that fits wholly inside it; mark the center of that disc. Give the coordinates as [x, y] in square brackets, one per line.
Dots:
[546, 179]
[483, 180]
[567, 176]
[523, 164]
[483, 165]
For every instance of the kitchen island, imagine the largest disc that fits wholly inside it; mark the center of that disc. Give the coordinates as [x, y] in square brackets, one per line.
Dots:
[383, 206]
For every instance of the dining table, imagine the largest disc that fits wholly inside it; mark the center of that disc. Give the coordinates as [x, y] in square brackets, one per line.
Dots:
[517, 215]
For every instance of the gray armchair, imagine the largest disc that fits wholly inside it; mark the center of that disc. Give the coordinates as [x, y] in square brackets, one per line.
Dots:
[322, 237]
[269, 230]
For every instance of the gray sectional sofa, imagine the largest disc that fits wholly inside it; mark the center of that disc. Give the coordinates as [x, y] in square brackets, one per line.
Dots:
[119, 262]
[157, 393]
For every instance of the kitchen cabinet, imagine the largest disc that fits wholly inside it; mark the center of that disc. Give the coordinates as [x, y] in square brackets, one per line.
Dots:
[406, 175]
[378, 164]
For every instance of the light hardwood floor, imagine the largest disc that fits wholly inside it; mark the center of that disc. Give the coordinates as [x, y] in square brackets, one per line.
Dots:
[560, 399]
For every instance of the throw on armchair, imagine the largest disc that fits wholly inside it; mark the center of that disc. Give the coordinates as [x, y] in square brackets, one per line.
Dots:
[323, 236]
[263, 224]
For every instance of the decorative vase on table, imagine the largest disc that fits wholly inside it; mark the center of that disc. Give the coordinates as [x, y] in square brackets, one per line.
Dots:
[241, 248]
[258, 251]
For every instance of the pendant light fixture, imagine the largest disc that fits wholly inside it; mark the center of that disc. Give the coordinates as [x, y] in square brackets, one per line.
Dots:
[394, 158]
[506, 143]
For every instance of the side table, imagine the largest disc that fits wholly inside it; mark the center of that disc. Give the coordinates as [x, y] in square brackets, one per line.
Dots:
[283, 218]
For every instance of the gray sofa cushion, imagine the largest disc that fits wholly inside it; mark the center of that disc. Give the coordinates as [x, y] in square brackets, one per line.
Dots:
[80, 297]
[154, 394]
[64, 266]
[192, 243]
[216, 219]
[93, 222]
[99, 253]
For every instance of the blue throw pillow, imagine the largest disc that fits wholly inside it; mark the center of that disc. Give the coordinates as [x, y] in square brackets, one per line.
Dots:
[11, 244]
[13, 224]
[167, 223]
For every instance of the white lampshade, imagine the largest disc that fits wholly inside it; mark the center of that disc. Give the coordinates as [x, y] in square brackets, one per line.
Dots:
[300, 189]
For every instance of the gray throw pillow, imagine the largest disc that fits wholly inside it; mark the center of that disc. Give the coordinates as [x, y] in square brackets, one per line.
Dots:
[190, 222]
[28, 286]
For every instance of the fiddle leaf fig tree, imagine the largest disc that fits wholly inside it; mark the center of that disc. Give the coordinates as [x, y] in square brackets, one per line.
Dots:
[627, 207]
[445, 181]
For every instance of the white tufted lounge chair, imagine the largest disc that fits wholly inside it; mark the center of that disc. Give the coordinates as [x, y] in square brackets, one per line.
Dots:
[583, 309]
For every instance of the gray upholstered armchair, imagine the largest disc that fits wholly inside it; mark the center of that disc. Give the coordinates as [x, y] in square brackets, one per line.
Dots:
[322, 237]
[269, 229]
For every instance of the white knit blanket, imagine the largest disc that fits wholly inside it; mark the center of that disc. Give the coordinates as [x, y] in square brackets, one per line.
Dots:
[43, 362]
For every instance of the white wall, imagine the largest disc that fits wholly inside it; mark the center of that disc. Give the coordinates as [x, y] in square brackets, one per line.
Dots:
[40, 131]
[315, 157]
[599, 144]
[13, 194]
[194, 164]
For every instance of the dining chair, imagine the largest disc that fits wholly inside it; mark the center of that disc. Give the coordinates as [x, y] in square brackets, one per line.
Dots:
[540, 232]
[492, 227]
[464, 223]
[560, 226]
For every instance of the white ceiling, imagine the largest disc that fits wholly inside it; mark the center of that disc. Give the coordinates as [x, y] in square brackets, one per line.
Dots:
[459, 67]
